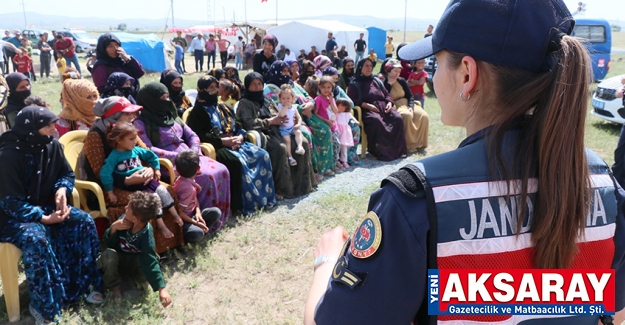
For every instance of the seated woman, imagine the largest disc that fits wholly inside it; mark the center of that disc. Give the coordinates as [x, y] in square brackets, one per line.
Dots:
[119, 84]
[251, 182]
[416, 120]
[218, 73]
[347, 73]
[258, 112]
[59, 243]
[352, 154]
[174, 83]
[307, 71]
[232, 74]
[321, 62]
[295, 69]
[97, 148]
[77, 98]
[383, 125]
[111, 57]
[165, 133]
[19, 90]
[316, 131]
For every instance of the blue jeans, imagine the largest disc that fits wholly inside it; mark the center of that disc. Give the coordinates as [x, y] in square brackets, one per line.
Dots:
[178, 66]
[74, 60]
[359, 56]
[238, 61]
[208, 62]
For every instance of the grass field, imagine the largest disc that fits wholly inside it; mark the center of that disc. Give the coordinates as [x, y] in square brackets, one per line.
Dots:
[259, 270]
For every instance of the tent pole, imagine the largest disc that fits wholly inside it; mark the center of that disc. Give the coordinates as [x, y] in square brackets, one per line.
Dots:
[172, 14]
[405, 15]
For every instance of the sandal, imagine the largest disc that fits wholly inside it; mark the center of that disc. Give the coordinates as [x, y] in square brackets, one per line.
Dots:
[91, 298]
[328, 172]
[292, 161]
[37, 316]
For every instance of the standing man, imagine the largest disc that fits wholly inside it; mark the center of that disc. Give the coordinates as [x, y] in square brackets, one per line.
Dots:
[238, 53]
[44, 55]
[7, 35]
[65, 45]
[430, 31]
[249, 52]
[184, 44]
[223, 49]
[331, 44]
[4, 68]
[389, 47]
[360, 46]
[52, 42]
[197, 46]
[210, 47]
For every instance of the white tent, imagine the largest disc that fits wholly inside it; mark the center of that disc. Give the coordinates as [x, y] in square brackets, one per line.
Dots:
[298, 35]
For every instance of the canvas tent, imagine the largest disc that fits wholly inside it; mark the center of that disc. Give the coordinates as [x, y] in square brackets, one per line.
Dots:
[297, 35]
[148, 49]
[376, 40]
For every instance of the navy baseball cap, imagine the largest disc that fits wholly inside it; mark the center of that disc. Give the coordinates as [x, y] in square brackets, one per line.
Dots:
[512, 33]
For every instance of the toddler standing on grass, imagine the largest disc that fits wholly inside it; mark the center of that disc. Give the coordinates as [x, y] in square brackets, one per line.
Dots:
[130, 247]
[196, 222]
[125, 159]
[416, 81]
[60, 65]
[23, 62]
[346, 137]
[288, 108]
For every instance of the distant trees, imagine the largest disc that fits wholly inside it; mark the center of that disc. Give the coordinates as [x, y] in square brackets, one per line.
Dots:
[122, 27]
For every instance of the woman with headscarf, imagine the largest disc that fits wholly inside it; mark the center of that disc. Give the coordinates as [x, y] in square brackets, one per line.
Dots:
[19, 90]
[112, 110]
[119, 84]
[352, 154]
[321, 62]
[307, 71]
[59, 243]
[294, 69]
[263, 59]
[316, 131]
[165, 133]
[218, 73]
[77, 98]
[251, 182]
[111, 57]
[416, 120]
[383, 125]
[174, 83]
[232, 74]
[347, 74]
[258, 112]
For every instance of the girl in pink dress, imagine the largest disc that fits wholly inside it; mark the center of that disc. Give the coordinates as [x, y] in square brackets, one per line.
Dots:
[325, 109]
[346, 138]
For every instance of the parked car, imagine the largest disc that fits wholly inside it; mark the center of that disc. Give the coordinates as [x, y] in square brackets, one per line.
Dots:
[597, 35]
[604, 102]
[82, 40]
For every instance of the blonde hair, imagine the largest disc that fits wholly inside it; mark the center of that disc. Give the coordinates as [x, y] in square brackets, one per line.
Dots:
[286, 88]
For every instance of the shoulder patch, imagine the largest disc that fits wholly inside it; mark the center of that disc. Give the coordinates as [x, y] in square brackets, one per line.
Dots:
[368, 236]
[341, 274]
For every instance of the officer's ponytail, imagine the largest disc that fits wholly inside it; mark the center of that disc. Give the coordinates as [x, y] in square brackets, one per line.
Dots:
[551, 147]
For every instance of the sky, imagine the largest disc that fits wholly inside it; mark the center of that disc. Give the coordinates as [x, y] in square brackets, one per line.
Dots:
[259, 11]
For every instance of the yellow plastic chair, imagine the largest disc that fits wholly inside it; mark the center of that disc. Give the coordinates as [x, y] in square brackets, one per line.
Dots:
[363, 135]
[9, 257]
[185, 115]
[207, 148]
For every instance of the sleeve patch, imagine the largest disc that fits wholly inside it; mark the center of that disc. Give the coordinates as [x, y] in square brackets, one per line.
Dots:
[367, 237]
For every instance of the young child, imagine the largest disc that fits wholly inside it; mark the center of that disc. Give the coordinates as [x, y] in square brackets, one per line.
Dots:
[416, 81]
[130, 247]
[288, 108]
[325, 109]
[60, 64]
[373, 57]
[345, 131]
[229, 93]
[23, 62]
[125, 159]
[196, 222]
[34, 100]
[178, 57]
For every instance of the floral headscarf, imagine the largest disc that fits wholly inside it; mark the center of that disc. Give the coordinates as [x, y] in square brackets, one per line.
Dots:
[76, 106]
[275, 74]
[321, 62]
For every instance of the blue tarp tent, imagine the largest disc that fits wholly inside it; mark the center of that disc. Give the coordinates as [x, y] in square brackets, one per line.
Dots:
[377, 38]
[148, 49]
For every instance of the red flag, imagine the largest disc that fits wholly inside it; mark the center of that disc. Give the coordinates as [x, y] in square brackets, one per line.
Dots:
[261, 1]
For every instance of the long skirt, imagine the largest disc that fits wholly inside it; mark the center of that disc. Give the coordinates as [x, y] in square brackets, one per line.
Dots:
[352, 153]
[251, 177]
[59, 260]
[385, 134]
[214, 179]
[416, 124]
[323, 154]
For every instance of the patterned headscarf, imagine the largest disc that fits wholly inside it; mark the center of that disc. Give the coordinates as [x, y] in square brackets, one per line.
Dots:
[321, 62]
[308, 70]
[330, 71]
[217, 73]
[76, 106]
[232, 74]
[275, 74]
[115, 86]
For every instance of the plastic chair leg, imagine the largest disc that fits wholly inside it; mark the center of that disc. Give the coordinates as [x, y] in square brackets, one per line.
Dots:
[10, 285]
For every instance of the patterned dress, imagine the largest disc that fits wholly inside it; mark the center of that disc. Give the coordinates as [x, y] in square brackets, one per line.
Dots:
[352, 153]
[213, 177]
[60, 259]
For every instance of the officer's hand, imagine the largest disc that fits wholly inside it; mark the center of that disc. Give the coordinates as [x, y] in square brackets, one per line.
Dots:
[331, 243]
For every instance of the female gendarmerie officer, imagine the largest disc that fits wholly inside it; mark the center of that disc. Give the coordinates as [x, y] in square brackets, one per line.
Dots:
[520, 191]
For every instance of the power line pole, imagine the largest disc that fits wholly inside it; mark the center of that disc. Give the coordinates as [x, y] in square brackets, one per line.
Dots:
[24, 11]
[405, 15]
[276, 12]
[172, 14]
